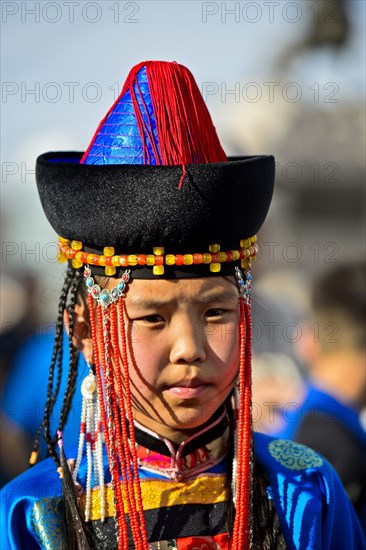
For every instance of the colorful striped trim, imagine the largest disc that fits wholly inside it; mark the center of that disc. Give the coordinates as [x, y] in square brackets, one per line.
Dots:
[204, 489]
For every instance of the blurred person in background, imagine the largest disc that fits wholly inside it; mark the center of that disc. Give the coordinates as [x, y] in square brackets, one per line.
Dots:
[18, 317]
[26, 347]
[335, 350]
[278, 392]
[24, 396]
[279, 387]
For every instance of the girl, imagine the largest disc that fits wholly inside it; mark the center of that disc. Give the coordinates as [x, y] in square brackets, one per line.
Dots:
[158, 229]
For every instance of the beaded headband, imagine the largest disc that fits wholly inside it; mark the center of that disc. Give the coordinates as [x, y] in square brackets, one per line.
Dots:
[109, 260]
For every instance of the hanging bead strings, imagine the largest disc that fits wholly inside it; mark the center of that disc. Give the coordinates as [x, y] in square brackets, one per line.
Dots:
[124, 447]
[91, 431]
[242, 467]
[131, 442]
[114, 379]
[120, 440]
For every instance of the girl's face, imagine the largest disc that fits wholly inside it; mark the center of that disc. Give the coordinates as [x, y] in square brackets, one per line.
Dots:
[184, 352]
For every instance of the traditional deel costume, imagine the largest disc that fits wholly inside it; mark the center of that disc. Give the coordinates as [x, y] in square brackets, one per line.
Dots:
[155, 196]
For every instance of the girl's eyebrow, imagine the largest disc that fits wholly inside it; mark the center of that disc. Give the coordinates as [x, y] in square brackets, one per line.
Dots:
[217, 296]
[205, 298]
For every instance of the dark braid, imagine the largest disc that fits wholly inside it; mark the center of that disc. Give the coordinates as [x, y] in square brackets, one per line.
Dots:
[74, 355]
[71, 276]
[56, 355]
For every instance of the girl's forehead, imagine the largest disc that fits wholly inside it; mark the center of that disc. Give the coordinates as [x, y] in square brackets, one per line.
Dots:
[201, 289]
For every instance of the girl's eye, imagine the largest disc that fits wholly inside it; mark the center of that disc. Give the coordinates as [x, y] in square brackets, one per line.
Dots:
[152, 319]
[216, 312]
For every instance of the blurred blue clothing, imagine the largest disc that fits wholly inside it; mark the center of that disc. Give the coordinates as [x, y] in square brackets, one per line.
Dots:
[25, 392]
[334, 429]
[310, 501]
[318, 401]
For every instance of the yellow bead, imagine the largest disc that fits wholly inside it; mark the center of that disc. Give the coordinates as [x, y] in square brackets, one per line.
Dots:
[132, 259]
[206, 258]
[222, 257]
[150, 259]
[170, 259]
[108, 251]
[101, 261]
[253, 239]
[76, 245]
[61, 257]
[158, 270]
[76, 264]
[245, 243]
[158, 250]
[245, 264]
[252, 258]
[188, 259]
[214, 248]
[90, 258]
[115, 260]
[236, 254]
[78, 256]
[33, 458]
[110, 270]
[63, 240]
[215, 267]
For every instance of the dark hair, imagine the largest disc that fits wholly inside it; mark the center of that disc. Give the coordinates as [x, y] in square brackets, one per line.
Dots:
[76, 531]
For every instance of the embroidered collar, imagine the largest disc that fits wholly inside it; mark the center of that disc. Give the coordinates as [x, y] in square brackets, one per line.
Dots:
[196, 454]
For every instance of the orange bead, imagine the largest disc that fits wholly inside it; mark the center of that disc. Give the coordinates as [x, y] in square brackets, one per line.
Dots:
[197, 259]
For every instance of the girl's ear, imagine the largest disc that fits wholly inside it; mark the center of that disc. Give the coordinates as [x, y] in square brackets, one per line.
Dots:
[82, 339]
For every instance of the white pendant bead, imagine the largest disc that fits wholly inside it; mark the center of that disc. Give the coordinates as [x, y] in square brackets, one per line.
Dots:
[88, 386]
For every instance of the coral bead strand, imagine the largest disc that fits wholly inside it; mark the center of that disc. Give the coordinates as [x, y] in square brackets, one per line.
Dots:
[93, 328]
[132, 431]
[122, 438]
[122, 532]
[240, 538]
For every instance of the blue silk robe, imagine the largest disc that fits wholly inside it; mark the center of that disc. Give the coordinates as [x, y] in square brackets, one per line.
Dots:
[312, 507]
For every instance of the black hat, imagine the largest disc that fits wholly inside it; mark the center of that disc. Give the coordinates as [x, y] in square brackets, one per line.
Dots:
[155, 186]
